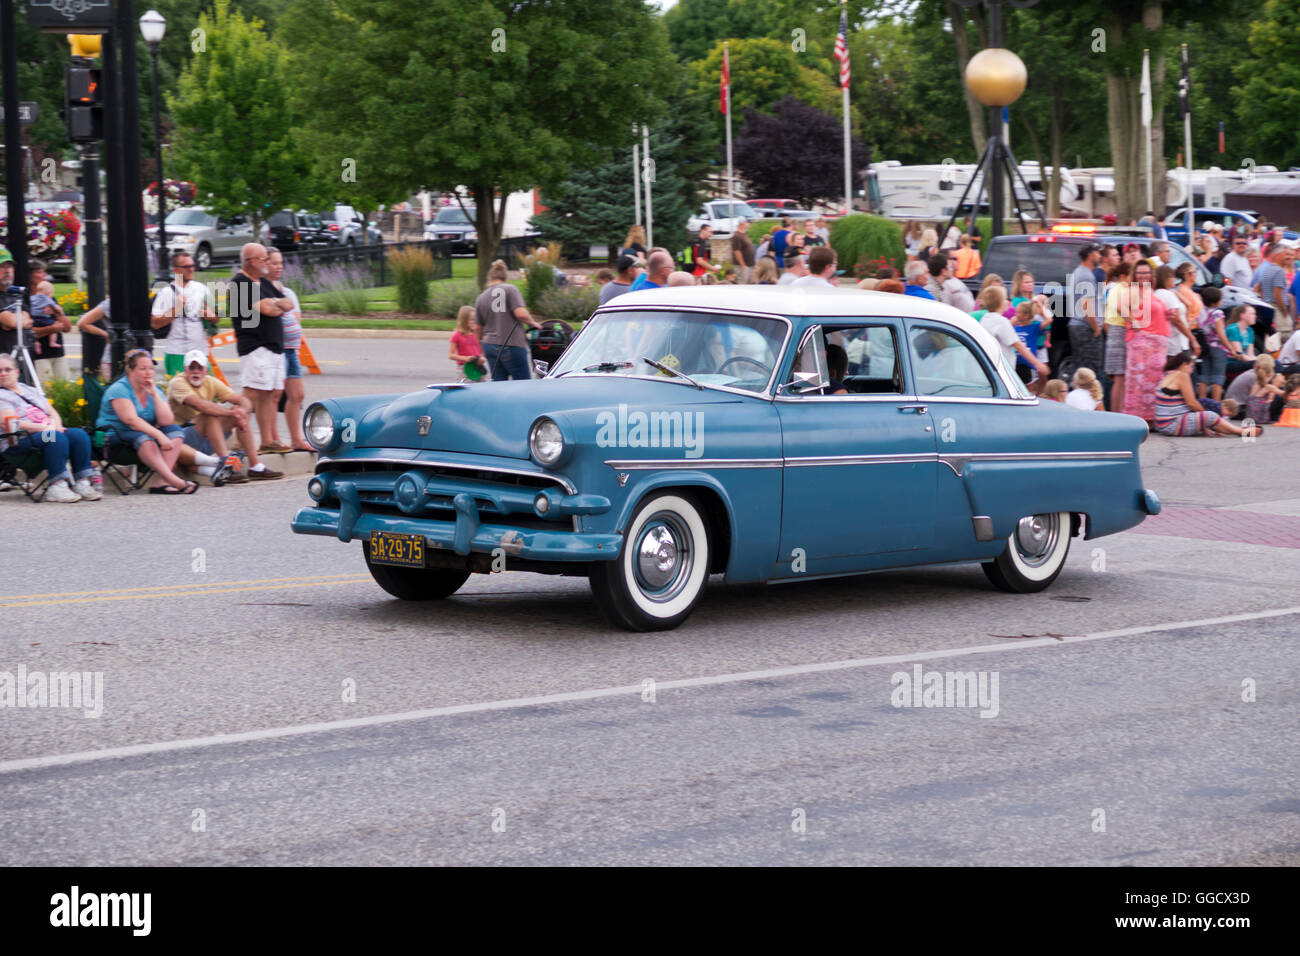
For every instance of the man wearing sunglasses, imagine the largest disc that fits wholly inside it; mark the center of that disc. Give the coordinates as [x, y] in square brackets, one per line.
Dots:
[184, 304]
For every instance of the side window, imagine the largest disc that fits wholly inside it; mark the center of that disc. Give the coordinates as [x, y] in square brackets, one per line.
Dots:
[866, 359]
[946, 367]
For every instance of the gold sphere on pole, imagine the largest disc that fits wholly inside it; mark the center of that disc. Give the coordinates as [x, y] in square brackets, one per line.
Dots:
[996, 77]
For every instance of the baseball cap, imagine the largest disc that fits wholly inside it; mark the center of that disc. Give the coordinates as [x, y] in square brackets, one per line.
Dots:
[5, 255]
[196, 355]
[1207, 225]
[624, 263]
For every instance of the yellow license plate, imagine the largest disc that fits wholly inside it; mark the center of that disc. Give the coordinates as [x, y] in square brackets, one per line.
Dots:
[391, 547]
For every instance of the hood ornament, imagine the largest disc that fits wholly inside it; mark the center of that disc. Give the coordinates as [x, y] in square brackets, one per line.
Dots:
[423, 424]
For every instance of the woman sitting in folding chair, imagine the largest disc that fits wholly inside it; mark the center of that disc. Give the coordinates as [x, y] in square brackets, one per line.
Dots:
[135, 413]
[24, 409]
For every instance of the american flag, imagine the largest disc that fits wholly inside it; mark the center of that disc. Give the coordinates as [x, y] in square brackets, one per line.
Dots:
[842, 48]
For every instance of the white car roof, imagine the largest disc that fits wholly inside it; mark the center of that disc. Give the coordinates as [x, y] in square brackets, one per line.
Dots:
[812, 302]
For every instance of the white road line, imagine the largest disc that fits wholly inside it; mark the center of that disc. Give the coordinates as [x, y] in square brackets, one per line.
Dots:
[135, 750]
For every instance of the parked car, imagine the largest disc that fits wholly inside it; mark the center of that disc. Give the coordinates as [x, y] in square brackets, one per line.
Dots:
[347, 228]
[203, 234]
[291, 231]
[722, 216]
[771, 208]
[688, 431]
[1176, 222]
[451, 222]
[1051, 257]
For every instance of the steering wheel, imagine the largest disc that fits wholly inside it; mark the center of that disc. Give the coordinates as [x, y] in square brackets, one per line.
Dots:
[765, 369]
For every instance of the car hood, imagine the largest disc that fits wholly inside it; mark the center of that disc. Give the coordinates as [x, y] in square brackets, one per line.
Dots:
[493, 418]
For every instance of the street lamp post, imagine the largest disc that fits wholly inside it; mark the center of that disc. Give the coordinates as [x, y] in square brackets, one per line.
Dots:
[152, 27]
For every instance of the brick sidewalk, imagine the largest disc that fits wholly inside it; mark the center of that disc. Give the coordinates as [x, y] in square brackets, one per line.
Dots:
[1218, 524]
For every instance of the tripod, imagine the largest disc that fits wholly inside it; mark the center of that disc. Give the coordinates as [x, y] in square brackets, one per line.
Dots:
[14, 300]
[996, 163]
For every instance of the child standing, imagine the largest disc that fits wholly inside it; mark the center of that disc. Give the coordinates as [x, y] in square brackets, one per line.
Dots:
[465, 349]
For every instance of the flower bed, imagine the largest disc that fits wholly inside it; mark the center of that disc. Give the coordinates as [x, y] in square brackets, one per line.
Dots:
[179, 193]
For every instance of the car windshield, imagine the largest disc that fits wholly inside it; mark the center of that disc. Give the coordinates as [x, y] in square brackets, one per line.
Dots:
[189, 217]
[738, 351]
[451, 216]
[742, 209]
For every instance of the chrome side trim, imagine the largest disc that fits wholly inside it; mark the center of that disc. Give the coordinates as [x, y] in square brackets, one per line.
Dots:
[983, 526]
[852, 397]
[972, 400]
[646, 464]
[560, 480]
[958, 462]
[860, 460]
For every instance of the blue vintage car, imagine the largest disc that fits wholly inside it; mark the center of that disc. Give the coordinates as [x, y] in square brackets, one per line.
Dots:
[761, 433]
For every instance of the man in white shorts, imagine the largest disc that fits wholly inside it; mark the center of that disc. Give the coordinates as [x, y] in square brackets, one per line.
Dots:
[255, 308]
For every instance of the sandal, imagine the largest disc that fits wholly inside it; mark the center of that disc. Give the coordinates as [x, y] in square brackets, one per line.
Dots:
[302, 448]
[189, 489]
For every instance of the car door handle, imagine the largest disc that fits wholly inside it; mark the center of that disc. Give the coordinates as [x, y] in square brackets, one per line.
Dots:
[918, 409]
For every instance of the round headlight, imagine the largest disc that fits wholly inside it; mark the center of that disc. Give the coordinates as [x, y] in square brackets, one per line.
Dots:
[545, 442]
[319, 426]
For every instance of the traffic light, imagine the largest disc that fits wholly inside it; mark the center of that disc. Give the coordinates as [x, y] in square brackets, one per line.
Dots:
[85, 109]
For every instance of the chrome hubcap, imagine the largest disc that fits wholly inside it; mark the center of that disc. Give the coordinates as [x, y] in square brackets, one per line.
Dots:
[663, 557]
[1036, 538]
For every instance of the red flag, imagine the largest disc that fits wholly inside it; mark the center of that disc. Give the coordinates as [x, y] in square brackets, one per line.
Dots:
[726, 83]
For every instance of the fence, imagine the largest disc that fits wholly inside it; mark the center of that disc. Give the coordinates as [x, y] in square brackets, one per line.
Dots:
[365, 265]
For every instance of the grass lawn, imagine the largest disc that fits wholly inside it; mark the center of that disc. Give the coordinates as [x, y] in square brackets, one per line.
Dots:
[378, 299]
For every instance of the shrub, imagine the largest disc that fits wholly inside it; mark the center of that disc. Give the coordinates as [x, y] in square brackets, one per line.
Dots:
[446, 298]
[759, 230]
[411, 270]
[862, 238]
[345, 301]
[323, 278]
[539, 271]
[74, 302]
[69, 401]
[569, 304]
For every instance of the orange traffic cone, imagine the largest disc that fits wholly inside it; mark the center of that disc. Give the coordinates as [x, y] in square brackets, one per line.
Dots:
[1290, 418]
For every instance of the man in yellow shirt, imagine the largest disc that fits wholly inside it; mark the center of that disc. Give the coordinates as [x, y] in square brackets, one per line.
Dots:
[208, 410]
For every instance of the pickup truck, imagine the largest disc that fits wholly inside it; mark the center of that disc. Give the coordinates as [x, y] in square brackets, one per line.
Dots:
[1176, 222]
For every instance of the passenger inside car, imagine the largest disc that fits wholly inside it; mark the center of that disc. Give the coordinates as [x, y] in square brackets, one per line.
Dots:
[837, 363]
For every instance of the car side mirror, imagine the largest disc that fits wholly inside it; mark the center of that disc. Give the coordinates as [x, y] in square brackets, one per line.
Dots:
[801, 386]
[1217, 281]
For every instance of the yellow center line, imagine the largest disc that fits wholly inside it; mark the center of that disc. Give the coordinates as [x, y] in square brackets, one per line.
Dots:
[186, 587]
[132, 597]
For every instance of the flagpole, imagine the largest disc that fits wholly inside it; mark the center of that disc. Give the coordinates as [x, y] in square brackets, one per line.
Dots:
[1146, 121]
[648, 165]
[842, 54]
[636, 178]
[848, 162]
[1187, 140]
[726, 69]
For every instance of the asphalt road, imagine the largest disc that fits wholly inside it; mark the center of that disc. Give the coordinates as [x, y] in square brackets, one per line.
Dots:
[514, 704]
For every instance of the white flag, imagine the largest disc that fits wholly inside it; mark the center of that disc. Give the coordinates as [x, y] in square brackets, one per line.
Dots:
[1145, 89]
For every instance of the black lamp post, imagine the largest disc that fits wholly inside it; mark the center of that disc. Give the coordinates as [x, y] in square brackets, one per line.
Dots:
[152, 27]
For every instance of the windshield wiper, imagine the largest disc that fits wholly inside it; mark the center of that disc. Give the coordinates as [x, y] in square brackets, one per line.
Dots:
[671, 371]
[598, 367]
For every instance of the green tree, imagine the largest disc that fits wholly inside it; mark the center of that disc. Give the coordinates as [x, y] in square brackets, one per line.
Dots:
[489, 95]
[234, 134]
[695, 26]
[1269, 95]
[764, 71]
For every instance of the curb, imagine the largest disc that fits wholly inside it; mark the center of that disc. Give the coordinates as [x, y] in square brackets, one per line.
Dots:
[375, 334]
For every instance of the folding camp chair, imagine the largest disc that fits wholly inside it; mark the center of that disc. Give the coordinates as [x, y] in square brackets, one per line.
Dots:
[115, 458]
[35, 480]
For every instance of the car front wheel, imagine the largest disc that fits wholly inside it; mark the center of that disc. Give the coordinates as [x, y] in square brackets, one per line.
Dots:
[415, 584]
[661, 570]
[1034, 554]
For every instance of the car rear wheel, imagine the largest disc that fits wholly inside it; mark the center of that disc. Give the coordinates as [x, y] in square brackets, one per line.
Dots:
[1034, 554]
[203, 258]
[415, 584]
[661, 570]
